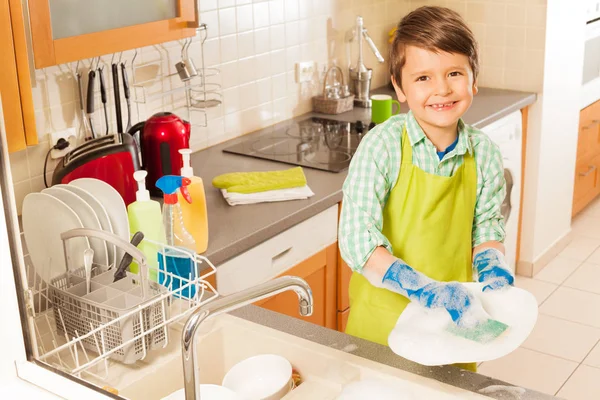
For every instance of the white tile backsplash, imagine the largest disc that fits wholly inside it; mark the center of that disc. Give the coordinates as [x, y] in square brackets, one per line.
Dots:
[245, 43]
[292, 11]
[262, 65]
[245, 19]
[277, 62]
[256, 44]
[277, 36]
[276, 12]
[262, 41]
[247, 70]
[227, 21]
[263, 90]
[261, 15]
[208, 5]
[229, 48]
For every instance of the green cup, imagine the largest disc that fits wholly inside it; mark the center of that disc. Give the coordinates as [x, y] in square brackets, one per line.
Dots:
[381, 107]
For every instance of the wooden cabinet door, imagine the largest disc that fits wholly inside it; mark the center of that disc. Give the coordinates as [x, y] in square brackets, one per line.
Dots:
[587, 182]
[343, 282]
[15, 82]
[587, 176]
[343, 320]
[49, 50]
[588, 141]
[319, 272]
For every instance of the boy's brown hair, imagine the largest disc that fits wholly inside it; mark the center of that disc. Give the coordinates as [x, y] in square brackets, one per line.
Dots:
[435, 29]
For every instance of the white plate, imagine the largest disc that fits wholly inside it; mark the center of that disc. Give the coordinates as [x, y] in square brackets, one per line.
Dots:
[88, 218]
[112, 202]
[420, 335]
[100, 212]
[207, 392]
[44, 219]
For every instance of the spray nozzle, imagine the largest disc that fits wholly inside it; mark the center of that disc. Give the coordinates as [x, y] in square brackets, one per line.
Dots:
[187, 170]
[169, 185]
[142, 194]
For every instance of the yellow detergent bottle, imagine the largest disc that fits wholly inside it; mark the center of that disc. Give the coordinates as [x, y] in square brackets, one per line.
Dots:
[195, 217]
[145, 215]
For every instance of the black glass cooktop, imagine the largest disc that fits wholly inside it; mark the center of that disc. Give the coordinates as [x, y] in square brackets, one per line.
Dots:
[318, 143]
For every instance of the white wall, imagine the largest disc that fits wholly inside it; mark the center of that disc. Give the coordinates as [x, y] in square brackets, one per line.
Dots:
[552, 135]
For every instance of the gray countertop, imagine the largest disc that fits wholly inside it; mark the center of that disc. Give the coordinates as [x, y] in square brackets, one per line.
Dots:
[233, 230]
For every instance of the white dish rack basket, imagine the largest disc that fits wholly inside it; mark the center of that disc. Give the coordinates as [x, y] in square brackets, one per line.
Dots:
[121, 320]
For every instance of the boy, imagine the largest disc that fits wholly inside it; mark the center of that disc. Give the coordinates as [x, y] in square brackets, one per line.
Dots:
[421, 205]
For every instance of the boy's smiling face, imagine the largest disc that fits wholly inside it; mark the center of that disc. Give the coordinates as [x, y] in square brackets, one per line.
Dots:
[438, 87]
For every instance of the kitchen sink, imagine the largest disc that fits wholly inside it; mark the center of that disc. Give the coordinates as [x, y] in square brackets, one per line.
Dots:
[226, 340]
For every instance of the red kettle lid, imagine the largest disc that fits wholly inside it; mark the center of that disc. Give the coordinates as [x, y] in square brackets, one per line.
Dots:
[164, 117]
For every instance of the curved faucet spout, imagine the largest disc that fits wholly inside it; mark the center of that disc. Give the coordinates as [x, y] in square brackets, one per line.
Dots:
[229, 303]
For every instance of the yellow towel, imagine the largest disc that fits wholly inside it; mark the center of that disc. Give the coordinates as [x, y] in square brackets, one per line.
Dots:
[253, 182]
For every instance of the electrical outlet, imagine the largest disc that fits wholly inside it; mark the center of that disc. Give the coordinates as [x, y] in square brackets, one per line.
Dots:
[305, 71]
[70, 135]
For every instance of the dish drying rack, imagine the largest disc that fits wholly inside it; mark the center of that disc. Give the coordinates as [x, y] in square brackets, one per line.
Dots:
[190, 99]
[84, 334]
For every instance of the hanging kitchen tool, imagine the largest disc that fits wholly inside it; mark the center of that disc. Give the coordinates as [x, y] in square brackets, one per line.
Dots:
[186, 68]
[90, 99]
[103, 96]
[115, 76]
[81, 102]
[127, 95]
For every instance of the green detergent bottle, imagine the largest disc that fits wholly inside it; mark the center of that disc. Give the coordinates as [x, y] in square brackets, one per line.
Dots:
[145, 216]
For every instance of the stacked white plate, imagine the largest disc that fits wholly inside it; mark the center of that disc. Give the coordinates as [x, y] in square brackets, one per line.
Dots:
[84, 203]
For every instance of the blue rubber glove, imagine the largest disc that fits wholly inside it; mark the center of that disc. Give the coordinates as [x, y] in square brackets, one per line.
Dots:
[452, 296]
[491, 268]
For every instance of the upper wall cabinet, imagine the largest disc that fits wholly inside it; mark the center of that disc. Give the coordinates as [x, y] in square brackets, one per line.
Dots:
[66, 30]
[15, 78]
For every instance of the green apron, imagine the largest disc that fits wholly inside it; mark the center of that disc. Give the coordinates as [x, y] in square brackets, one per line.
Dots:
[428, 220]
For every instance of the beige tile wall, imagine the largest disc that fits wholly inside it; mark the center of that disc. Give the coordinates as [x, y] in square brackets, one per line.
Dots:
[255, 45]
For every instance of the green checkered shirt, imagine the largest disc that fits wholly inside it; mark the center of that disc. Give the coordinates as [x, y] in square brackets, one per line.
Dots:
[375, 168]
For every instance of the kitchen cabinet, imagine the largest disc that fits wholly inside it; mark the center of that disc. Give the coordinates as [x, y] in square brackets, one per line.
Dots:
[319, 271]
[63, 31]
[587, 178]
[15, 80]
[343, 301]
[308, 250]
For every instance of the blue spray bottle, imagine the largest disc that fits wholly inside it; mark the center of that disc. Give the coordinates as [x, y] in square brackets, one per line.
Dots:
[178, 263]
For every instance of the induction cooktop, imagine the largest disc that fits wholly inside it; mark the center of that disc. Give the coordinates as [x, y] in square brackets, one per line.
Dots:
[319, 143]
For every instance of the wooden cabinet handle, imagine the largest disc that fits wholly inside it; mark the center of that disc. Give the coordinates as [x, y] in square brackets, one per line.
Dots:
[594, 122]
[591, 169]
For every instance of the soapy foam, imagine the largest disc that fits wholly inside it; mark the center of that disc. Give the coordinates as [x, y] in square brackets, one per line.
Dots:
[420, 334]
[514, 391]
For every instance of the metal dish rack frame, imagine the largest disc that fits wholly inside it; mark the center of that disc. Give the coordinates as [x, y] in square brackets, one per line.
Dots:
[72, 354]
[199, 95]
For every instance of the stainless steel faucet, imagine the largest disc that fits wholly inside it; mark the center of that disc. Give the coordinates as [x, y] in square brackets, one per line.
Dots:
[229, 303]
[360, 75]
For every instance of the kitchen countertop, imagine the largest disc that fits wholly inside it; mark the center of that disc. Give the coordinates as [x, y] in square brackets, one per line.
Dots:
[234, 230]
[453, 376]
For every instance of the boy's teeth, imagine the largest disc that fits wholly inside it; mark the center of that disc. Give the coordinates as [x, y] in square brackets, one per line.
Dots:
[442, 105]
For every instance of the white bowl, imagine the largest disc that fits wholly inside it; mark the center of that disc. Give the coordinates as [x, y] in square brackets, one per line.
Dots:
[207, 392]
[262, 377]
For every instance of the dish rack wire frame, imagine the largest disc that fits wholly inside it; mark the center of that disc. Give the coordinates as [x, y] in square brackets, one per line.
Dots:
[70, 355]
[199, 95]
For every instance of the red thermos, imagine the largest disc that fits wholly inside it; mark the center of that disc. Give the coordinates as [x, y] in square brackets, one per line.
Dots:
[160, 137]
